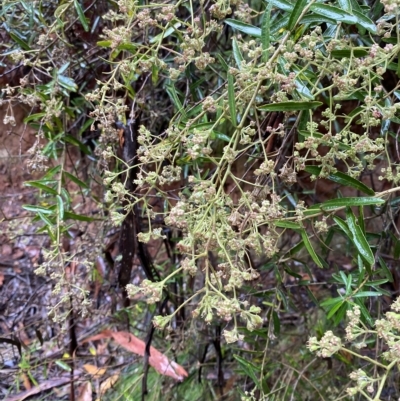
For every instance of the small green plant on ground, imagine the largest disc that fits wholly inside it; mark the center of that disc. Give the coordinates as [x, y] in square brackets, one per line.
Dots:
[242, 146]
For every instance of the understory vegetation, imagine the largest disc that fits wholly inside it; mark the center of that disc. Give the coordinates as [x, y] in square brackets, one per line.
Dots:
[216, 183]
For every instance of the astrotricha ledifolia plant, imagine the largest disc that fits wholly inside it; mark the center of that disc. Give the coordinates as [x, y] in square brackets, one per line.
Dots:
[223, 172]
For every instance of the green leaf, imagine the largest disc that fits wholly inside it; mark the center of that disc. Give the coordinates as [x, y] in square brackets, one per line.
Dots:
[361, 221]
[334, 13]
[282, 4]
[220, 136]
[222, 62]
[347, 53]
[34, 117]
[334, 204]
[130, 47]
[249, 369]
[359, 239]
[335, 308]
[237, 54]
[280, 25]
[340, 313]
[52, 172]
[60, 10]
[363, 294]
[265, 33]
[41, 186]
[74, 179]
[310, 19]
[80, 217]
[386, 270]
[243, 27]
[342, 224]
[104, 43]
[81, 15]
[60, 207]
[297, 10]
[331, 301]
[365, 22]
[67, 83]
[345, 5]
[287, 224]
[16, 38]
[63, 365]
[73, 141]
[364, 311]
[175, 99]
[277, 323]
[166, 33]
[297, 248]
[375, 283]
[309, 248]
[231, 99]
[342, 179]
[290, 106]
[46, 220]
[38, 209]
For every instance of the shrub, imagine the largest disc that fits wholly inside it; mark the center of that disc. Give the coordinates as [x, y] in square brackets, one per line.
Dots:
[244, 139]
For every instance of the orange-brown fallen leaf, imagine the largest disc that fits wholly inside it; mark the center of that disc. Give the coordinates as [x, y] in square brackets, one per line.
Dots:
[108, 383]
[94, 370]
[25, 381]
[133, 344]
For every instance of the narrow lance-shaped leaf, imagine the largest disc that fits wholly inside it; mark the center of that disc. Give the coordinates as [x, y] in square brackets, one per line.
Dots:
[41, 186]
[290, 106]
[249, 369]
[287, 224]
[309, 248]
[334, 13]
[67, 83]
[359, 239]
[38, 209]
[74, 179]
[386, 270]
[297, 10]
[342, 224]
[237, 54]
[282, 4]
[243, 27]
[345, 5]
[166, 33]
[334, 204]
[265, 33]
[60, 207]
[365, 22]
[175, 98]
[342, 179]
[81, 15]
[363, 294]
[79, 217]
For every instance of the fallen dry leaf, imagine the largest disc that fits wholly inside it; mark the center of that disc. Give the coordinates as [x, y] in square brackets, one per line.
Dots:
[25, 381]
[46, 385]
[108, 383]
[133, 344]
[94, 370]
[85, 392]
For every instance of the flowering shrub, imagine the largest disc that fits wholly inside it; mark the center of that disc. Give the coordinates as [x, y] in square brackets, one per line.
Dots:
[216, 124]
[386, 333]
